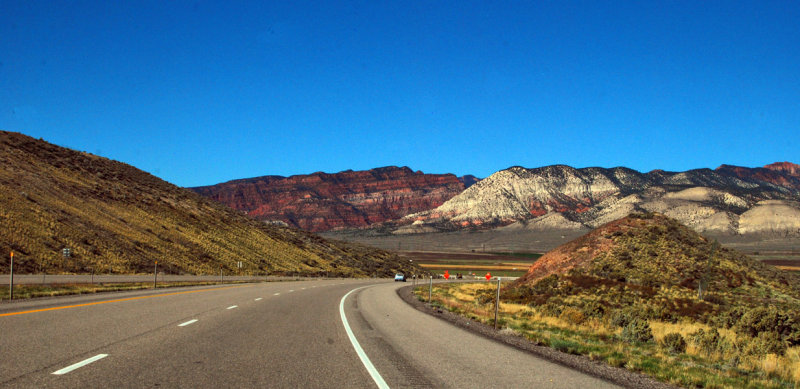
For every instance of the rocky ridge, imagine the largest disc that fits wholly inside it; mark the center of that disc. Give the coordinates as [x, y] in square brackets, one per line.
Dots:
[348, 199]
[730, 199]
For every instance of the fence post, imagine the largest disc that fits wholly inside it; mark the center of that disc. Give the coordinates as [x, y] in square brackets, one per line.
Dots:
[497, 303]
[11, 280]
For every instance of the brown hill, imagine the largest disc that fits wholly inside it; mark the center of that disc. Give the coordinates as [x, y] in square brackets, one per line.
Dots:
[349, 199]
[651, 255]
[117, 218]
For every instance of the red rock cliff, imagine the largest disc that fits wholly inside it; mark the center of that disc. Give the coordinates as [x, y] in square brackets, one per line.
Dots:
[322, 201]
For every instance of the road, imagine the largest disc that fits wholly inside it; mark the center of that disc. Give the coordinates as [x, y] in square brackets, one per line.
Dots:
[278, 334]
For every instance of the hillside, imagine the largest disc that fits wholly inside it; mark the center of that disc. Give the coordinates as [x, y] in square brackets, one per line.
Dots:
[348, 199]
[656, 263]
[728, 200]
[117, 218]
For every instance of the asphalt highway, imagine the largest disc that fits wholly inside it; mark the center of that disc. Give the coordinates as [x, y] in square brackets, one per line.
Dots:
[278, 334]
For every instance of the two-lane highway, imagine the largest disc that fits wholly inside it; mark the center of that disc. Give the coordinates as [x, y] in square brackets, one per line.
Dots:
[282, 334]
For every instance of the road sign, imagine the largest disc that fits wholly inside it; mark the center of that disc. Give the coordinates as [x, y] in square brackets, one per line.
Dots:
[488, 276]
[446, 275]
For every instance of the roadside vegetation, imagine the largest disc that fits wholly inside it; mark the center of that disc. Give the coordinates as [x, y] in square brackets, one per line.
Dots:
[650, 295]
[718, 354]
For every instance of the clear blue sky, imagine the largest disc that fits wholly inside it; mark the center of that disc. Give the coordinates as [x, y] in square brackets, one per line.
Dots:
[203, 92]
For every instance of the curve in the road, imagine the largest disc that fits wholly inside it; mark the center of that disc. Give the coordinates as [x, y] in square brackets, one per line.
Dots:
[373, 372]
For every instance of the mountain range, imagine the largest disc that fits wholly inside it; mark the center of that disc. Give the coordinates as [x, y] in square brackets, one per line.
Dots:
[348, 199]
[727, 200]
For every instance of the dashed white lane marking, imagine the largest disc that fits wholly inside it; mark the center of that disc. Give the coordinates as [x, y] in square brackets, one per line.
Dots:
[258, 298]
[232, 306]
[80, 364]
[276, 294]
[361, 354]
[291, 290]
[302, 288]
[187, 323]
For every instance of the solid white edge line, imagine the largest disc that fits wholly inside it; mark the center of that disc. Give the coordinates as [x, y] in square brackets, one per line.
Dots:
[80, 364]
[187, 323]
[232, 306]
[361, 354]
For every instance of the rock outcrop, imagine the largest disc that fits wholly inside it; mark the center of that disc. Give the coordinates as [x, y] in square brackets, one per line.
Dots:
[730, 199]
[349, 199]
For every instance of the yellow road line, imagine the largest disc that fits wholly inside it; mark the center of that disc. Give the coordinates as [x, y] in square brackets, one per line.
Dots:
[118, 300]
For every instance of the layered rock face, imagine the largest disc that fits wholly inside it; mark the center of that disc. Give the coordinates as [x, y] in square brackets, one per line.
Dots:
[730, 199]
[349, 199]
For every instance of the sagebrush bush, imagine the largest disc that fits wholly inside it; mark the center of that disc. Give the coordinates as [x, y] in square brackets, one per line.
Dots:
[707, 341]
[768, 342]
[572, 315]
[769, 319]
[623, 317]
[593, 309]
[637, 331]
[674, 343]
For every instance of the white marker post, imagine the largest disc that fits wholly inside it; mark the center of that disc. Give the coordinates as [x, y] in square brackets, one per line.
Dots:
[11, 279]
[155, 275]
[430, 291]
[497, 303]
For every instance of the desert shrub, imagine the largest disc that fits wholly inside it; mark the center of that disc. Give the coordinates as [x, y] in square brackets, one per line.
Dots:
[709, 342]
[674, 343]
[593, 309]
[545, 285]
[552, 308]
[572, 315]
[623, 317]
[768, 342]
[637, 331]
[729, 318]
[768, 319]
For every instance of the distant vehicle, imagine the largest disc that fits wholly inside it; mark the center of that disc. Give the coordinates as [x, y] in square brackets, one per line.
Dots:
[400, 277]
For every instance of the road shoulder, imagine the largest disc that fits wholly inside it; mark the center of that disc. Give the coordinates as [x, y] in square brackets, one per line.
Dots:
[580, 363]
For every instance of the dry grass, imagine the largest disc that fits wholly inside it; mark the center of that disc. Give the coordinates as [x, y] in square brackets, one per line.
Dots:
[600, 341]
[118, 218]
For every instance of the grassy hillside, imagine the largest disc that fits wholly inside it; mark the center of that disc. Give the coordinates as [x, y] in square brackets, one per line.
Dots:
[655, 263]
[117, 218]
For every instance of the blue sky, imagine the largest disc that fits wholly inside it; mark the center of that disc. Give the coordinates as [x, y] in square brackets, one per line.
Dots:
[203, 92]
